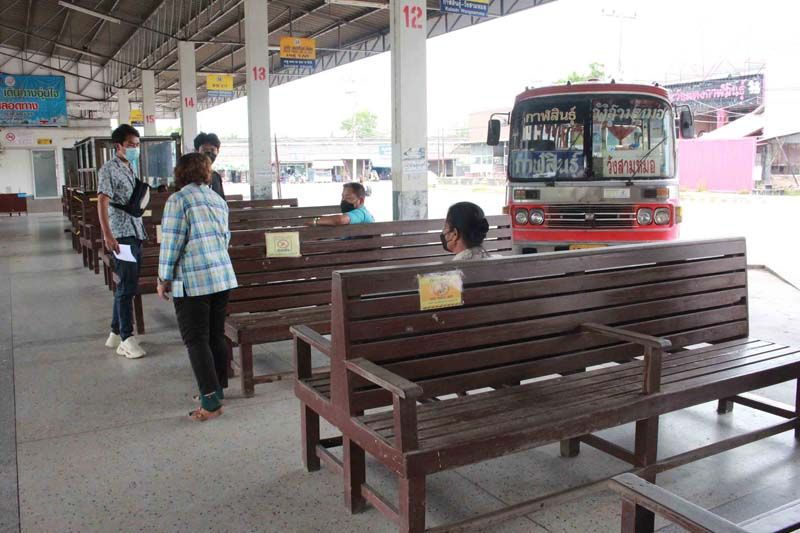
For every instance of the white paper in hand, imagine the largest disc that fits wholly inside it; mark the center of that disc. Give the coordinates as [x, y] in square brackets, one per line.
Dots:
[125, 253]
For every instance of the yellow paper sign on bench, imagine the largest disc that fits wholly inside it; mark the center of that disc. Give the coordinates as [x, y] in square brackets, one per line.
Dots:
[147, 213]
[440, 289]
[286, 244]
[158, 233]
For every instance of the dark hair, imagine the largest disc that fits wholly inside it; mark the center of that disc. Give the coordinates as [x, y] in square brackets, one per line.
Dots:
[468, 219]
[206, 138]
[192, 168]
[121, 134]
[357, 189]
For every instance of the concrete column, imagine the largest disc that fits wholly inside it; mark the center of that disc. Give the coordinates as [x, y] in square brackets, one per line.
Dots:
[188, 80]
[408, 26]
[257, 61]
[124, 106]
[149, 102]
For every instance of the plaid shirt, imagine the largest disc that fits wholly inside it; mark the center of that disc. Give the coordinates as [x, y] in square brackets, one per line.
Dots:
[194, 243]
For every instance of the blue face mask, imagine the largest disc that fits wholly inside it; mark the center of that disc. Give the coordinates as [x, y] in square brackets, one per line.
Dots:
[132, 155]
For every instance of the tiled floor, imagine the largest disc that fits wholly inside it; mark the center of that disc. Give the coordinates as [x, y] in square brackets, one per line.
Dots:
[102, 443]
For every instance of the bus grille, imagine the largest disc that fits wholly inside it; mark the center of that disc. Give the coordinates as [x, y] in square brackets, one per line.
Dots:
[590, 216]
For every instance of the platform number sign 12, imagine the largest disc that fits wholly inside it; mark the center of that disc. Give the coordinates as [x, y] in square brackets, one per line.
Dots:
[413, 16]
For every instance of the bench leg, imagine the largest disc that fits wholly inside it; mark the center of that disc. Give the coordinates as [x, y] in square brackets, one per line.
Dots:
[570, 447]
[96, 260]
[412, 505]
[646, 453]
[246, 356]
[355, 475]
[724, 406]
[231, 370]
[138, 314]
[309, 428]
[797, 407]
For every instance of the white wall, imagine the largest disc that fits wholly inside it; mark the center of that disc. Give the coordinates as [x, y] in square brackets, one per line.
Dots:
[16, 168]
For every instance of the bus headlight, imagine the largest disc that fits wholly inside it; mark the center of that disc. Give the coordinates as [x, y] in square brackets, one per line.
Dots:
[644, 216]
[661, 216]
[537, 217]
[521, 216]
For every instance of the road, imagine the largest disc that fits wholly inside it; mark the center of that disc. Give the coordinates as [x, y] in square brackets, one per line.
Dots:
[770, 223]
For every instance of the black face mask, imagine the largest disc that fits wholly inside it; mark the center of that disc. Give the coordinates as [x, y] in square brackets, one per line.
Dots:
[444, 242]
[347, 206]
[211, 155]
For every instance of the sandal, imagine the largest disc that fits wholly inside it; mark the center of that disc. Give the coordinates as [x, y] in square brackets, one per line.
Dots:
[201, 415]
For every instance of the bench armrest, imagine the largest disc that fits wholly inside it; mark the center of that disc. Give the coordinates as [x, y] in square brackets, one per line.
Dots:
[648, 341]
[304, 339]
[385, 379]
[312, 338]
[635, 491]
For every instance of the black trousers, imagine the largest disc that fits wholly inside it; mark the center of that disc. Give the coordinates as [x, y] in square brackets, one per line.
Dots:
[201, 320]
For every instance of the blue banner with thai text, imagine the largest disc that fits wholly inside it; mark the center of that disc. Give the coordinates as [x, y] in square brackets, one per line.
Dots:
[32, 100]
[475, 8]
[527, 164]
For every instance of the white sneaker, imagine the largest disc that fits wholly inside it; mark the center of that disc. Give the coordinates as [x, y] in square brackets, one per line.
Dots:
[113, 340]
[130, 348]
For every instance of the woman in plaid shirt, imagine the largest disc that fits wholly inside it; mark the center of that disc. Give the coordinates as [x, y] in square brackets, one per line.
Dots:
[194, 266]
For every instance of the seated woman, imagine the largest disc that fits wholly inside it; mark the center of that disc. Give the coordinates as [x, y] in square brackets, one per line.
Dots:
[464, 230]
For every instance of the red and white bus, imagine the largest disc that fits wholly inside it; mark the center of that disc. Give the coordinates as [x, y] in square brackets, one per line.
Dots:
[592, 164]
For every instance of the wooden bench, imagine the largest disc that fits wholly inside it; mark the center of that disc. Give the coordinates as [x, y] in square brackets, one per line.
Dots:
[638, 494]
[586, 315]
[262, 216]
[275, 294]
[13, 203]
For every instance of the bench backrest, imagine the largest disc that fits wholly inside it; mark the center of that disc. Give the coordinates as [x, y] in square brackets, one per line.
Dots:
[520, 315]
[268, 284]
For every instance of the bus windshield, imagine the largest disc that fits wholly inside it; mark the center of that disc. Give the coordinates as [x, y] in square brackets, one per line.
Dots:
[591, 137]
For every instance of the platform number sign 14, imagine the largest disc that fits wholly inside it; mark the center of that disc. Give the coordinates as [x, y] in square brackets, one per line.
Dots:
[413, 16]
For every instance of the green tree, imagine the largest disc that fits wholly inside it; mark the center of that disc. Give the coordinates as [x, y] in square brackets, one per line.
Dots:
[596, 71]
[364, 122]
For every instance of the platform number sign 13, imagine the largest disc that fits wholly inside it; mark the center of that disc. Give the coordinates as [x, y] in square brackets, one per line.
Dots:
[413, 16]
[259, 73]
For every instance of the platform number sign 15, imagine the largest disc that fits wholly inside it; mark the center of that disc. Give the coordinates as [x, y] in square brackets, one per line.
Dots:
[413, 16]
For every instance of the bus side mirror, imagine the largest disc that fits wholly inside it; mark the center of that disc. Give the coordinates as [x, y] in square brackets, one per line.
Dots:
[493, 135]
[687, 124]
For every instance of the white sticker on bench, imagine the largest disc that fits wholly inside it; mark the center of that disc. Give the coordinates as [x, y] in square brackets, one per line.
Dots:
[283, 244]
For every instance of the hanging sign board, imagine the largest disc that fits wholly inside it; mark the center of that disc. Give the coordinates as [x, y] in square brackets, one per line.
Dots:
[219, 85]
[438, 290]
[475, 8]
[285, 244]
[32, 101]
[136, 117]
[298, 52]
[44, 140]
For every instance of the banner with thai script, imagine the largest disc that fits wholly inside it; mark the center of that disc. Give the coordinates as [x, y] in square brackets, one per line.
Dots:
[621, 164]
[475, 8]
[298, 52]
[219, 85]
[32, 101]
[702, 96]
[527, 164]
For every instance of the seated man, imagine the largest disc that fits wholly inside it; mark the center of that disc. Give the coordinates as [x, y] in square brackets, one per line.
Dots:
[353, 209]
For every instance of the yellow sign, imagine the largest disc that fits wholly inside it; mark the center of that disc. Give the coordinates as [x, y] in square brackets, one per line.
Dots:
[147, 213]
[44, 141]
[158, 233]
[298, 52]
[219, 83]
[136, 117]
[286, 244]
[440, 289]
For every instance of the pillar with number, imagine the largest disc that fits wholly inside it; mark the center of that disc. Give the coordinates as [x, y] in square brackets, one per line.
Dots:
[149, 102]
[124, 107]
[188, 81]
[408, 25]
[257, 60]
